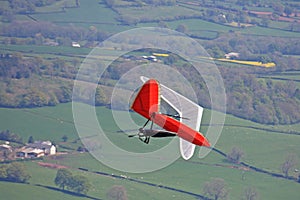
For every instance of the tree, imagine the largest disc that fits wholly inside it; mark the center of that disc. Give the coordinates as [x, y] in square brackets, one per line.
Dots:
[264, 58]
[30, 139]
[265, 22]
[9, 136]
[182, 28]
[63, 178]
[162, 24]
[278, 8]
[129, 20]
[100, 97]
[288, 10]
[80, 184]
[117, 192]
[77, 3]
[64, 138]
[216, 188]
[3, 172]
[289, 163]
[250, 193]
[110, 3]
[8, 16]
[34, 98]
[235, 155]
[216, 52]
[16, 172]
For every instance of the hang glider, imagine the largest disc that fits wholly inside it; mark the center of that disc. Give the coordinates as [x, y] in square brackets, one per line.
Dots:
[184, 125]
[189, 112]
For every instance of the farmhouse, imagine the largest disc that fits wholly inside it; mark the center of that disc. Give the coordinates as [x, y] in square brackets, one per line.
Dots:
[75, 44]
[36, 149]
[232, 55]
[4, 147]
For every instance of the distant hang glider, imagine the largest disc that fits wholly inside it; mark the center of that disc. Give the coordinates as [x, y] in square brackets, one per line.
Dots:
[147, 104]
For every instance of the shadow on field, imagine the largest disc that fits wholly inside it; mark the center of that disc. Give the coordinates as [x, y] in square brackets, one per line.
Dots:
[66, 192]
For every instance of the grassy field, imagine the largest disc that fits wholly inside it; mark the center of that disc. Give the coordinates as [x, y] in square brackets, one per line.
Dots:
[90, 13]
[95, 13]
[42, 184]
[36, 49]
[155, 13]
[263, 149]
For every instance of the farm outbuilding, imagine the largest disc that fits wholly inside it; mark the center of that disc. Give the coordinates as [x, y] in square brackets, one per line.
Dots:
[36, 149]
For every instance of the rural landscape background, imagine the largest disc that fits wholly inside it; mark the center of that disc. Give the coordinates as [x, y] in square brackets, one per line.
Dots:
[255, 45]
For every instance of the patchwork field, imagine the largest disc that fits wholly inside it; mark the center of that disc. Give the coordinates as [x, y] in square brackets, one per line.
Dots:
[263, 148]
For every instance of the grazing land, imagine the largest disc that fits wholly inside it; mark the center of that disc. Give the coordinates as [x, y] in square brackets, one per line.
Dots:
[44, 43]
[265, 147]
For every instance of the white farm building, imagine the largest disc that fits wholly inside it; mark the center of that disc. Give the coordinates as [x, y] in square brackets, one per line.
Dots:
[36, 149]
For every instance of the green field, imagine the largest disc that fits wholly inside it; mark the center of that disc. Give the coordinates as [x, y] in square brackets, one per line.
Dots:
[90, 13]
[35, 49]
[265, 146]
[96, 13]
[263, 149]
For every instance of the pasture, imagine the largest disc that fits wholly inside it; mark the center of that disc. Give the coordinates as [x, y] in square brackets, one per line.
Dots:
[41, 50]
[96, 13]
[90, 13]
[263, 148]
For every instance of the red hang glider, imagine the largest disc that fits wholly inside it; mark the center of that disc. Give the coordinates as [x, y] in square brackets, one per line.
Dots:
[147, 104]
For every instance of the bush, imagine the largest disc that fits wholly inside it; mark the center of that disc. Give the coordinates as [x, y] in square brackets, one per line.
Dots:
[235, 155]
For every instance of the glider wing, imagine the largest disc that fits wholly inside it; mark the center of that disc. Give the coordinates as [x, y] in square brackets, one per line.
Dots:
[148, 99]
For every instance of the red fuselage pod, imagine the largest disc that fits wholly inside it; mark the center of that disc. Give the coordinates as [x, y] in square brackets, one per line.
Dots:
[182, 130]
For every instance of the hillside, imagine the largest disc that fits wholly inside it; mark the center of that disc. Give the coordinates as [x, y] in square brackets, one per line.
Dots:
[254, 44]
[38, 63]
[264, 147]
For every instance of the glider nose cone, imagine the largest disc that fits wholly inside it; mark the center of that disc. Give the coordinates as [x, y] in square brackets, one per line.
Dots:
[206, 143]
[200, 140]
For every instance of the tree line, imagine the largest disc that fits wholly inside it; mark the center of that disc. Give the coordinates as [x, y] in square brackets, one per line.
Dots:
[261, 100]
[43, 29]
[18, 76]
[35, 82]
[114, 3]
[257, 99]
[26, 7]
[16, 66]
[258, 48]
[10, 136]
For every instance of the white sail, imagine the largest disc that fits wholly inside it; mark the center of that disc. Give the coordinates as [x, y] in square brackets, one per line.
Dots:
[190, 113]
